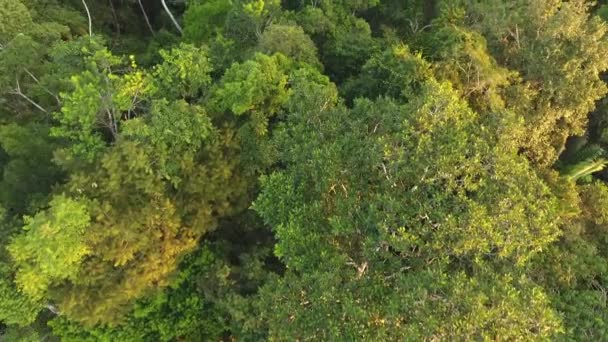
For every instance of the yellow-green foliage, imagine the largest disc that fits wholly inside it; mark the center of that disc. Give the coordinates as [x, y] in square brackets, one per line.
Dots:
[52, 248]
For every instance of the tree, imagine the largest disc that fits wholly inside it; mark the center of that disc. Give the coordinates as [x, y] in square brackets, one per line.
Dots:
[345, 40]
[290, 41]
[204, 19]
[374, 200]
[147, 208]
[124, 129]
[28, 173]
[556, 47]
[26, 38]
[395, 72]
[179, 311]
[572, 270]
[28, 92]
[53, 247]
[461, 56]
[15, 308]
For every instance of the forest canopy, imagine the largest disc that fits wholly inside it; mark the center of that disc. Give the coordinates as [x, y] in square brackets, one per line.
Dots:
[328, 170]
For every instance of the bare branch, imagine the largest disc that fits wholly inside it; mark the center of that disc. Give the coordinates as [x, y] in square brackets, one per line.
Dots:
[89, 16]
[360, 268]
[43, 87]
[179, 28]
[415, 26]
[405, 268]
[143, 10]
[112, 124]
[52, 308]
[18, 92]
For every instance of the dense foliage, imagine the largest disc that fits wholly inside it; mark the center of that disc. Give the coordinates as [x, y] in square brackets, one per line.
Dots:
[292, 170]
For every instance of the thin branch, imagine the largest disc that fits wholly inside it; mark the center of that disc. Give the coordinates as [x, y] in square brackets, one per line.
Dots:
[415, 26]
[43, 87]
[405, 268]
[360, 268]
[89, 16]
[112, 124]
[52, 308]
[179, 28]
[115, 16]
[134, 103]
[143, 10]
[30, 101]
[515, 35]
[18, 92]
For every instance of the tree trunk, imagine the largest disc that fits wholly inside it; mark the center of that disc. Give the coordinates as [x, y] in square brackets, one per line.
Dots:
[52, 308]
[143, 10]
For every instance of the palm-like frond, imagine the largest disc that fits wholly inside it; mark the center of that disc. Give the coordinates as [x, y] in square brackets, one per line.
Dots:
[580, 159]
[584, 168]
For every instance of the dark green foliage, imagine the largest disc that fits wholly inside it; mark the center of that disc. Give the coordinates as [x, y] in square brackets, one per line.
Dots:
[206, 18]
[290, 41]
[396, 72]
[28, 172]
[602, 12]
